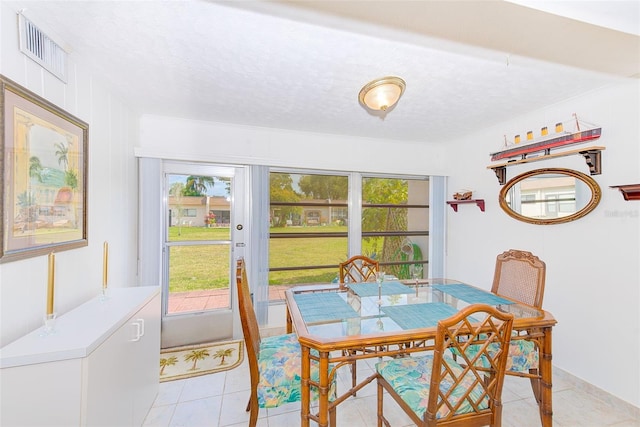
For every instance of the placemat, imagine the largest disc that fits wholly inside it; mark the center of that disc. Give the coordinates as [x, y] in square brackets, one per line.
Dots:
[388, 288]
[471, 295]
[323, 306]
[419, 315]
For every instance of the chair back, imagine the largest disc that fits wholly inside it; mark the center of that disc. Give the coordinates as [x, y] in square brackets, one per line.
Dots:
[250, 328]
[520, 275]
[480, 334]
[358, 268]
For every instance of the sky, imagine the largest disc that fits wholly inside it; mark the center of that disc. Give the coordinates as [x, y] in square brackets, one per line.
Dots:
[219, 187]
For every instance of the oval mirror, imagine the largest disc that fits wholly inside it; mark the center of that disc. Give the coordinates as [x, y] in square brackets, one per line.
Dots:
[550, 196]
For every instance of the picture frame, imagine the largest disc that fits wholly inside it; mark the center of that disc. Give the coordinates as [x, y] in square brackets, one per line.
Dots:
[43, 163]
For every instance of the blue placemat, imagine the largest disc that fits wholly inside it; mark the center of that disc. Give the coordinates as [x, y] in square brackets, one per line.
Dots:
[388, 288]
[323, 306]
[471, 295]
[419, 315]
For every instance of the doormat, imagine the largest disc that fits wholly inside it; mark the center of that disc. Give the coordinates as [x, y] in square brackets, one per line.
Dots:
[200, 359]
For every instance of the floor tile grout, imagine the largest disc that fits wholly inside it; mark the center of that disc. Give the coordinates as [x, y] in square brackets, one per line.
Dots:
[573, 406]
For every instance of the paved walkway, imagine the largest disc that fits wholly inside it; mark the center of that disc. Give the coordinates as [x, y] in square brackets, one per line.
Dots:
[211, 299]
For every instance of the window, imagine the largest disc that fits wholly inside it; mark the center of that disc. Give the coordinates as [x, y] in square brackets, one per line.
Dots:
[395, 222]
[306, 244]
[313, 228]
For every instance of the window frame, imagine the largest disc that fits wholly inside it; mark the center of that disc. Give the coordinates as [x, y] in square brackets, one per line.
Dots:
[354, 207]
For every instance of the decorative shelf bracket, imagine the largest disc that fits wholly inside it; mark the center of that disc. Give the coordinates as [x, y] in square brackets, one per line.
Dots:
[501, 173]
[454, 203]
[630, 191]
[592, 158]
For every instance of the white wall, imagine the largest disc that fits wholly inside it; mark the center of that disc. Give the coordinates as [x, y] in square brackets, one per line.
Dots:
[170, 138]
[593, 272]
[112, 195]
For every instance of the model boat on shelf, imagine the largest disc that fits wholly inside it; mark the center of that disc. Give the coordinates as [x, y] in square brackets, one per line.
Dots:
[546, 142]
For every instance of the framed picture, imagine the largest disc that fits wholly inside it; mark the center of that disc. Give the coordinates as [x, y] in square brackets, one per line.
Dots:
[43, 161]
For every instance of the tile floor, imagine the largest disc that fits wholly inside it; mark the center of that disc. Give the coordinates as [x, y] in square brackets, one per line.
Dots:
[219, 400]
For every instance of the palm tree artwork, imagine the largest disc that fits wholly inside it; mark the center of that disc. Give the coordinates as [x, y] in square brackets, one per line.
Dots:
[169, 361]
[62, 152]
[195, 356]
[70, 174]
[35, 168]
[221, 354]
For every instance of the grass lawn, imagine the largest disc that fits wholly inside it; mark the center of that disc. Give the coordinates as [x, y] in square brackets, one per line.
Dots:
[188, 272]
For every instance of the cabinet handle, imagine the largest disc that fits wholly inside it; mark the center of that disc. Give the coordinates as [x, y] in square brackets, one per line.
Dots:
[139, 325]
[141, 320]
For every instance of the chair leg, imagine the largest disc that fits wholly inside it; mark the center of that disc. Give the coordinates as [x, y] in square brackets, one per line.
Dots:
[535, 385]
[252, 406]
[380, 400]
[497, 420]
[352, 367]
[353, 375]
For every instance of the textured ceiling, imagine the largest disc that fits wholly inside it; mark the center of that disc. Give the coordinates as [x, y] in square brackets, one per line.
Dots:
[300, 65]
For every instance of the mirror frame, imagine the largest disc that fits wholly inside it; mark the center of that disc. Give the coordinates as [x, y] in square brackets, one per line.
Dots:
[596, 195]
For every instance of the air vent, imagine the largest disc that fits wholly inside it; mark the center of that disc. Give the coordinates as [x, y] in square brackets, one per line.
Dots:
[41, 48]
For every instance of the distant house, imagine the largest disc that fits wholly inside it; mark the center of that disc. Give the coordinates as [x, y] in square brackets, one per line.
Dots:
[318, 212]
[215, 211]
[199, 211]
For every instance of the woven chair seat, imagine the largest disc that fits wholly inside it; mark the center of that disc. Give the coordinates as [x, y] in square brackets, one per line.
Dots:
[279, 363]
[410, 376]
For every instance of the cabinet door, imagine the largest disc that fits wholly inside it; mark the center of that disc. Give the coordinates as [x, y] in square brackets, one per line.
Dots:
[146, 361]
[106, 386]
[43, 394]
[123, 374]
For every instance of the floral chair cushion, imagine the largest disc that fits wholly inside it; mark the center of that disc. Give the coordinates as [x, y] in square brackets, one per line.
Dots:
[523, 355]
[411, 377]
[279, 363]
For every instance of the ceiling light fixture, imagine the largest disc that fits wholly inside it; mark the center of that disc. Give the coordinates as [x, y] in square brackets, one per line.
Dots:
[382, 94]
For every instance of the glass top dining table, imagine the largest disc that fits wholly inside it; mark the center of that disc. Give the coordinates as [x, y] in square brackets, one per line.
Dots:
[344, 323]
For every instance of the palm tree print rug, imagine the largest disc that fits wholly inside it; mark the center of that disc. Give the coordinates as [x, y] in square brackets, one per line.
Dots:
[201, 359]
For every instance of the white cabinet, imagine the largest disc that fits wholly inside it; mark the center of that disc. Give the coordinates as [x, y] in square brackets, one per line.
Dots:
[101, 367]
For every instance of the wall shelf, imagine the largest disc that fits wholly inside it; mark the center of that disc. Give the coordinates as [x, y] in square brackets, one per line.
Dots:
[629, 191]
[454, 203]
[592, 156]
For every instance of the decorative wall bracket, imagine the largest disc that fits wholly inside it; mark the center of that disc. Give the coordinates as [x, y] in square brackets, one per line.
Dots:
[629, 191]
[454, 203]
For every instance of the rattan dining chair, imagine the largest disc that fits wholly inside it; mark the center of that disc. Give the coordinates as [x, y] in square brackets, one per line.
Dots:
[274, 362]
[520, 275]
[438, 390]
[358, 268]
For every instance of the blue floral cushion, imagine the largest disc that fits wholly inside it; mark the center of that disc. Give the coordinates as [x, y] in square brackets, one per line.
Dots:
[410, 377]
[523, 355]
[279, 363]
